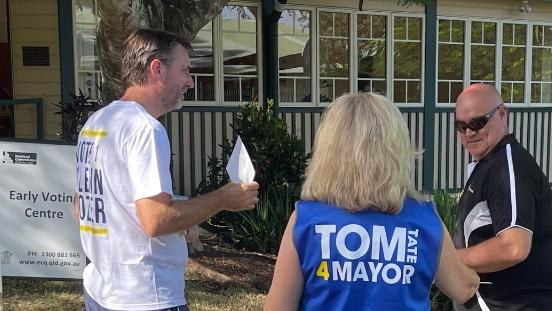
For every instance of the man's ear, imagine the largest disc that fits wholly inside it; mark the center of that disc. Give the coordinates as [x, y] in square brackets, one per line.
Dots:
[503, 111]
[154, 69]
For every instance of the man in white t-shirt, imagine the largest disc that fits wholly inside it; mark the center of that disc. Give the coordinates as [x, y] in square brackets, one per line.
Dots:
[129, 221]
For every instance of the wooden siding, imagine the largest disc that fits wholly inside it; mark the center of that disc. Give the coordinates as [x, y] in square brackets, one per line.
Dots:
[35, 23]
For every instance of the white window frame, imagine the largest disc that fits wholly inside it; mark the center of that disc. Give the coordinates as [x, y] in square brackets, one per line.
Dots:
[388, 44]
[530, 57]
[314, 47]
[526, 96]
[498, 57]
[218, 62]
[216, 67]
[391, 77]
[76, 69]
[464, 60]
[351, 55]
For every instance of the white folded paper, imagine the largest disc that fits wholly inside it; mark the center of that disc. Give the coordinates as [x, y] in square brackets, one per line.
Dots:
[240, 168]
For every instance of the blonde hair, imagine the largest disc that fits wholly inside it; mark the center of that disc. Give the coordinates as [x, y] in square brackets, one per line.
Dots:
[362, 156]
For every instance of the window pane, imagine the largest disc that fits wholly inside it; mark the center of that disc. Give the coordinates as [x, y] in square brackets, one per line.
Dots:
[286, 90]
[407, 56]
[547, 93]
[341, 24]
[477, 32]
[520, 33]
[443, 92]
[249, 89]
[201, 59]
[489, 36]
[326, 24]
[341, 87]
[371, 59]
[548, 35]
[363, 26]
[294, 52]
[205, 88]
[508, 34]
[400, 28]
[451, 61]
[414, 28]
[400, 91]
[379, 87]
[538, 35]
[413, 92]
[334, 57]
[518, 90]
[457, 31]
[535, 92]
[86, 58]
[444, 30]
[239, 27]
[482, 62]
[303, 90]
[90, 82]
[513, 63]
[379, 24]
[542, 64]
[506, 92]
[326, 90]
[455, 89]
[231, 89]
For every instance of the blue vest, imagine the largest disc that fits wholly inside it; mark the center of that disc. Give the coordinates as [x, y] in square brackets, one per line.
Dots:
[367, 260]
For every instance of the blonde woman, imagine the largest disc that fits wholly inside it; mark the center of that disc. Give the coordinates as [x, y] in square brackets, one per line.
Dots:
[362, 238]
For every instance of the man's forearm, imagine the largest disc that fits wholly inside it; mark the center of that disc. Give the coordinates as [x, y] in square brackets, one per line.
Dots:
[168, 216]
[495, 254]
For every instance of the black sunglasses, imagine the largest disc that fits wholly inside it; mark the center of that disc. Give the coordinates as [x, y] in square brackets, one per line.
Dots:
[475, 124]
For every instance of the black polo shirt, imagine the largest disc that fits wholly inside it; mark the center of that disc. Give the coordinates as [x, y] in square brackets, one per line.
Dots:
[508, 189]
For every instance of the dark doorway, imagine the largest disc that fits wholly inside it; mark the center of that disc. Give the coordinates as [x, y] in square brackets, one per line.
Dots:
[6, 89]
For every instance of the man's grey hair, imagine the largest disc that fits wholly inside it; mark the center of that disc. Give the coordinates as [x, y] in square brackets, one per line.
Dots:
[143, 46]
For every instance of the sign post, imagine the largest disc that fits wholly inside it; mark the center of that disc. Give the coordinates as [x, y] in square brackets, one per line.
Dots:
[1, 296]
[40, 237]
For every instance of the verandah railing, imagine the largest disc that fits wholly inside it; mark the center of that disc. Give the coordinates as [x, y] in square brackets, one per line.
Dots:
[196, 133]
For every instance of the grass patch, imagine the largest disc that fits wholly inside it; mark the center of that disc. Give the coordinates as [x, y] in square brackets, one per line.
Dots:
[40, 295]
[227, 299]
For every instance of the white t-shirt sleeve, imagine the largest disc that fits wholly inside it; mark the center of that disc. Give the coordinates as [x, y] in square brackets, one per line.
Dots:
[147, 156]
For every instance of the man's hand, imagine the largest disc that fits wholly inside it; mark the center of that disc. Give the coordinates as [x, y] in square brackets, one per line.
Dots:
[238, 197]
[160, 214]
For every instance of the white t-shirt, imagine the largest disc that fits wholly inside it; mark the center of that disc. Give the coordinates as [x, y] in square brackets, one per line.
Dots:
[123, 155]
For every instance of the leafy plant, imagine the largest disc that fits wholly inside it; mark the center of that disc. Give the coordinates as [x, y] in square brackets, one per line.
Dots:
[446, 204]
[279, 160]
[75, 114]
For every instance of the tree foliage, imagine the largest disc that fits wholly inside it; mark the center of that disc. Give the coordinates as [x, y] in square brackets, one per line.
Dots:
[119, 18]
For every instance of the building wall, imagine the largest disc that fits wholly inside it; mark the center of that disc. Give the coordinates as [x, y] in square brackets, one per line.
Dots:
[35, 23]
[500, 9]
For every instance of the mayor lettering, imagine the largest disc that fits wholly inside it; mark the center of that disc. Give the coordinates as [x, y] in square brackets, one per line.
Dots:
[90, 184]
[377, 256]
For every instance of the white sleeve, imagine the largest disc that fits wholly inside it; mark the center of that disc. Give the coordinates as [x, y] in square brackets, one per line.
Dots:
[147, 155]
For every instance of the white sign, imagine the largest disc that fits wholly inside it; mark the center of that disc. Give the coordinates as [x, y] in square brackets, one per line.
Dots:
[239, 167]
[38, 235]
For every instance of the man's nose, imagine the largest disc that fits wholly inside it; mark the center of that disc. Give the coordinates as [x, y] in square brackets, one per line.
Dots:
[190, 82]
[470, 132]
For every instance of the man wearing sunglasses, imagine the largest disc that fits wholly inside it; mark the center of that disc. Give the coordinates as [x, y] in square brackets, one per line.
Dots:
[504, 228]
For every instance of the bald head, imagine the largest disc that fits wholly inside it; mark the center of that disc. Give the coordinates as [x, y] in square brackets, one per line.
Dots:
[480, 94]
[482, 101]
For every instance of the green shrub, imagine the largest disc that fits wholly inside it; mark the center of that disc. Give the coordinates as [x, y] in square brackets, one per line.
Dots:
[279, 160]
[446, 204]
[75, 114]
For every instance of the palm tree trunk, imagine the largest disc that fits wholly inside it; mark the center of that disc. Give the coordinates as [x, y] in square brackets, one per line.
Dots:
[119, 18]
